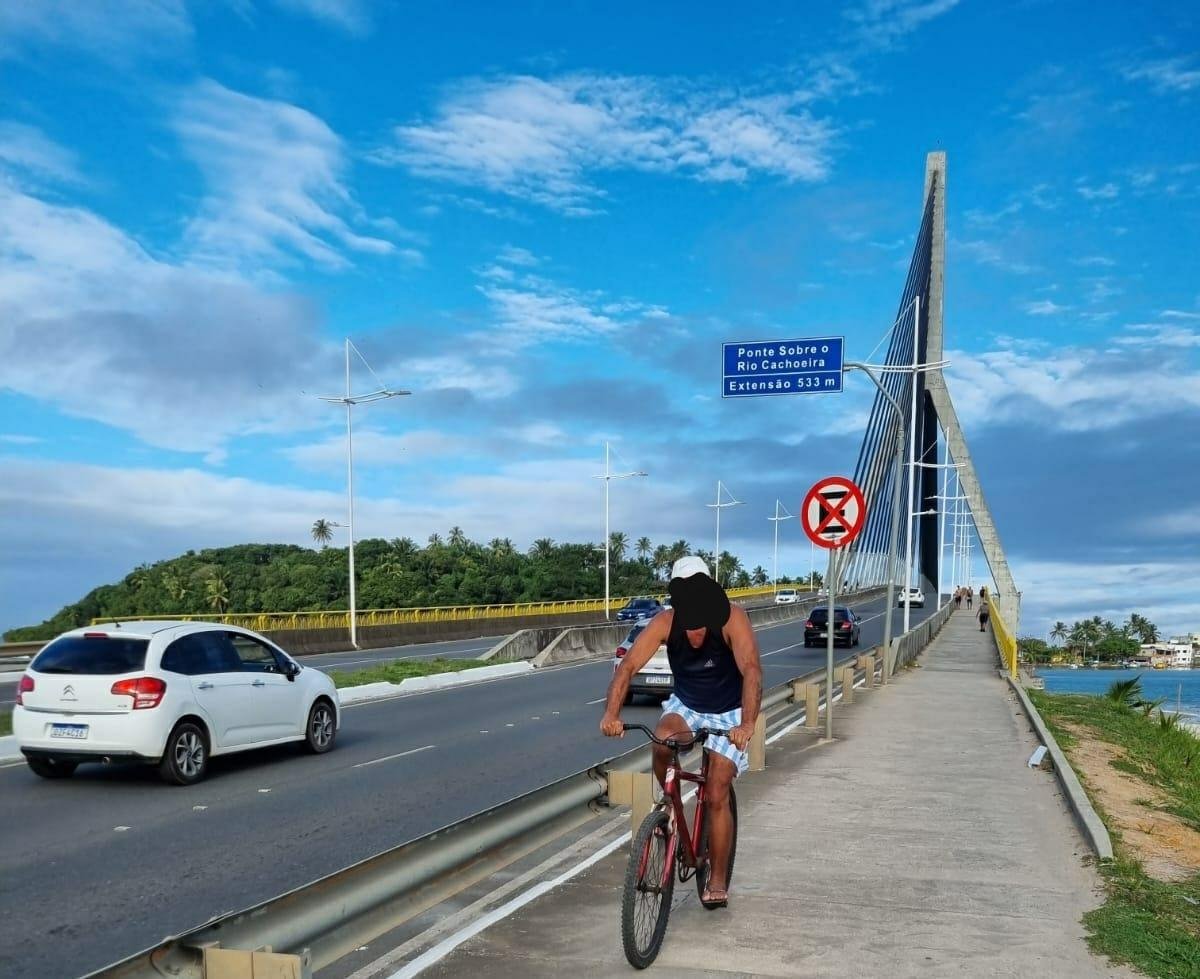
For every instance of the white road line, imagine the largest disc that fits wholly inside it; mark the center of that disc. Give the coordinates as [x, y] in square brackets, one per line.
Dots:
[598, 700]
[448, 945]
[402, 754]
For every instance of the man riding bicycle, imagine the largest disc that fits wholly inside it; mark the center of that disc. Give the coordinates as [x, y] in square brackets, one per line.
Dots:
[718, 685]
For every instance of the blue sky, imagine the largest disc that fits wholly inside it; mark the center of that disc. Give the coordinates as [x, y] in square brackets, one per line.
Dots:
[543, 219]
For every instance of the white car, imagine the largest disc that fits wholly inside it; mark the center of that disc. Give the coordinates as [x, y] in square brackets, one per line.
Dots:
[786, 596]
[655, 679]
[170, 693]
[913, 597]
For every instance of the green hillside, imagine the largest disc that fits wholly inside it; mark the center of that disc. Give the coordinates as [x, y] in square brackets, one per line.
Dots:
[391, 574]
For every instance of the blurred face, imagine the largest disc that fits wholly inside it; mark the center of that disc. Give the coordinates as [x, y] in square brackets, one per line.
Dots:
[695, 637]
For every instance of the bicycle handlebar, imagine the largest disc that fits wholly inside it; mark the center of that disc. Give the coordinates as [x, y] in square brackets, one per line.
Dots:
[676, 744]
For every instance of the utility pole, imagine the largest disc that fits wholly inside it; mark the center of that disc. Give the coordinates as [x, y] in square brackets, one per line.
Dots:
[608, 476]
[775, 520]
[719, 506]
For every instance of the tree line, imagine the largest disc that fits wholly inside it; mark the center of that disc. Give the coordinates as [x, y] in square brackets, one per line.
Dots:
[397, 573]
[1093, 639]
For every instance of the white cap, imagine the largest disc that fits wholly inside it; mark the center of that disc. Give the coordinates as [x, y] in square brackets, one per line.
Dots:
[685, 567]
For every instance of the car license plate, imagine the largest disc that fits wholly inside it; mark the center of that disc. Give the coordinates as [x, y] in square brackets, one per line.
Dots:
[76, 731]
[663, 680]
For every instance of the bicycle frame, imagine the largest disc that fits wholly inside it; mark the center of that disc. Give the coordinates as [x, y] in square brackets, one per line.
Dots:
[689, 847]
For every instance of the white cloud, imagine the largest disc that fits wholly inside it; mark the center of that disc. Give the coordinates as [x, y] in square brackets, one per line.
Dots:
[1178, 314]
[1094, 261]
[1070, 591]
[275, 179]
[20, 439]
[25, 149]
[881, 23]
[529, 309]
[376, 448]
[1160, 335]
[1167, 75]
[180, 357]
[539, 140]
[350, 15]
[1105, 192]
[512, 255]
[113, 30]
[989, 253]
[1044, 307]
[1074, 389]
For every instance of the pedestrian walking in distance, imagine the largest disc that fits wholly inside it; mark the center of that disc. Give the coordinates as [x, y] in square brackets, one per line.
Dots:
[958, 598]
[970, 597]
[984, 615]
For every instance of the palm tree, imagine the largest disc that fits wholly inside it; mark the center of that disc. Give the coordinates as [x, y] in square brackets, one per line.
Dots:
[644, 548]
[216, 591]
[322, 532]
[435, 539]
[680, 548]
[1146, 630]
[759, 575]
[661, 560]
[618, 544]
[1059, 631]
[457, 538]
[730, 566]
[542, 548]
[175, 586]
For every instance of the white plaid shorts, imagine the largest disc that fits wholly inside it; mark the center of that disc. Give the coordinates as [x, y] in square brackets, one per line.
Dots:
[719, 746]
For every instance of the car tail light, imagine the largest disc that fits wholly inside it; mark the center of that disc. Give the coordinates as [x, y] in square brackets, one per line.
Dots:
[146, 691]
[621, 651]
[95, 635]
[808, 624]
[846, 625]
[24, 687]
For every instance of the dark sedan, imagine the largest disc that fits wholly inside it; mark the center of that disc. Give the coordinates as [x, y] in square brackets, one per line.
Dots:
[846, 627]
[639, 608]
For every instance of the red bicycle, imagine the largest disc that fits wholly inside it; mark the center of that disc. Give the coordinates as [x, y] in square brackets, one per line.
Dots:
[663, 848]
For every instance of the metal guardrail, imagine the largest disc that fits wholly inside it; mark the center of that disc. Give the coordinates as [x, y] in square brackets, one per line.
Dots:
[1006, 642]
[312, 920]
[340, 618]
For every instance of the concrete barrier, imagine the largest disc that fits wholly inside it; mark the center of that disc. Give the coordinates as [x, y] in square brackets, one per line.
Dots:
[580, 643]
[524, 644]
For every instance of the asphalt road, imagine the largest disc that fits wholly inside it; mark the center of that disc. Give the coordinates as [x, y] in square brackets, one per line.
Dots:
[104, 864]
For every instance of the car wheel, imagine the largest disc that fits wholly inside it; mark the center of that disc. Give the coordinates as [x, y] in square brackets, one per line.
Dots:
[51, 767]
[185, 758]
[321, 728]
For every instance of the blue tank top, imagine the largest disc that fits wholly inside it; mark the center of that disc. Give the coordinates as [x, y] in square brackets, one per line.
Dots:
[706, 679]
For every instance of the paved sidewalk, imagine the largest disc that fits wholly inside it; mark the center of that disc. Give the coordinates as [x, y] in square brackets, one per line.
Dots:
[917, 844]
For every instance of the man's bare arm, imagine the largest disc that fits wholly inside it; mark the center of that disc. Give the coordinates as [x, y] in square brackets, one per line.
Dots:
[740, 635]
[643, 649]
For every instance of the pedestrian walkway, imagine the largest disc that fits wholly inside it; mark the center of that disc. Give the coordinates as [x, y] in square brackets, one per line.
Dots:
[917, 844]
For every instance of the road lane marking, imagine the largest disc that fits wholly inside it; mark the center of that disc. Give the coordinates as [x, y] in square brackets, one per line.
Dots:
[402, 754]
[121, 829]
[598, 700]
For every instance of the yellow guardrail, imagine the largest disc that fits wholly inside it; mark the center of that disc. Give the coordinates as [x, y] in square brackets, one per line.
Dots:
[340, 619]
[1006, 643]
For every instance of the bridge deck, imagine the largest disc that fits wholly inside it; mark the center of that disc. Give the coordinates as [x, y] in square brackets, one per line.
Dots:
[918, 844]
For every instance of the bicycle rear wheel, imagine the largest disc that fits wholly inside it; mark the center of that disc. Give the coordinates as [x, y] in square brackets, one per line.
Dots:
[702, 869]
[646, 901]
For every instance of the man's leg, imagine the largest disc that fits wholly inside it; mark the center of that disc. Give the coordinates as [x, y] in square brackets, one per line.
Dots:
[669, 726]
[721, 773]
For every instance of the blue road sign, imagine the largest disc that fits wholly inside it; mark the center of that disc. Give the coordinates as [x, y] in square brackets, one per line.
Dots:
[754, 368]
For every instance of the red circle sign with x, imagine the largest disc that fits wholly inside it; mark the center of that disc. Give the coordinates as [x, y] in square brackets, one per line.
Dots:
[833, 512]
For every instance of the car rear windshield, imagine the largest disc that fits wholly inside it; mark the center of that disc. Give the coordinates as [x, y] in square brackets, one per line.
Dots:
[643, 603]
[92, 656]
[822, 615]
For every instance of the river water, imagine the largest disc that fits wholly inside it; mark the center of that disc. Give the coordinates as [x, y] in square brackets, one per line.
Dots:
[1181, 688]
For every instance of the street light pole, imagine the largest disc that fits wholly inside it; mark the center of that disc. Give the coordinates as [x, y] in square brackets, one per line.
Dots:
[350, 400]
[775, 520]
[719, 506]
[608, 476]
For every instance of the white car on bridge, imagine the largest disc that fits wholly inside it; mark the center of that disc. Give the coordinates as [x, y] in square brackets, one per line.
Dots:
[912, 597]
[170, 693]
[787, 596]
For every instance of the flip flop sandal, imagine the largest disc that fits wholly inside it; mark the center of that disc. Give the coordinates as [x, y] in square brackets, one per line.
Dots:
[716, 902]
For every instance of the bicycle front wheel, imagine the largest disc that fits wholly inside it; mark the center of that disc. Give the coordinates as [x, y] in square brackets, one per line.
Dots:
[646, 902]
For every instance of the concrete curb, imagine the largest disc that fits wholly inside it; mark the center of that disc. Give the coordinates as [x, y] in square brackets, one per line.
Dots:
[1085, 814]
[424, 684]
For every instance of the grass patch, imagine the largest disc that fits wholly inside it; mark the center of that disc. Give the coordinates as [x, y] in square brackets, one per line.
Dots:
[5, 722]
[403, 669]
[1149, 924]
[1168, 758]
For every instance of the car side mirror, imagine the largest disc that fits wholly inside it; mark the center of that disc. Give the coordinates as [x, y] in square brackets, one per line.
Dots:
[292, 671]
